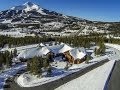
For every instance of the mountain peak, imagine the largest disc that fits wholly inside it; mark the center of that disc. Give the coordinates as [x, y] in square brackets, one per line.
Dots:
[30, 4]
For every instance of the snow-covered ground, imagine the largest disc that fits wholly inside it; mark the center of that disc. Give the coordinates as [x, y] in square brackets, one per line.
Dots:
[19, 49]
[15, 34]
[10, 73]
[27, 80]
[93, 80]
[54, 24]
[7, 21]
[115, 48]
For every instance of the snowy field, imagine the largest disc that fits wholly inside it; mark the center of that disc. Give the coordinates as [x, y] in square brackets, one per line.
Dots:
[26, 80]
[19, 49]
[15, 34]
[93, 80]
[115, 48]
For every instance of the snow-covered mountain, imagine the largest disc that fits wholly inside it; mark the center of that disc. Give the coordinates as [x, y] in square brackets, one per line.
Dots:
[31, 12]
[28, 6]
[32, 16]
[36, 16]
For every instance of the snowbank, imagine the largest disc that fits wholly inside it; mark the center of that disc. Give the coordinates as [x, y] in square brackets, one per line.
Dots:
[27, 80]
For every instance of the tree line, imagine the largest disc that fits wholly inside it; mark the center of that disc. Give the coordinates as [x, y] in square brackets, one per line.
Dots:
[22, 40]
[72, 40]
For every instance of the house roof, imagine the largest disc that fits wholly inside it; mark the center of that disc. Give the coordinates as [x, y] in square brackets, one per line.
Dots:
[41, 44]
[77, 53]
[34, 52]
[59, 48]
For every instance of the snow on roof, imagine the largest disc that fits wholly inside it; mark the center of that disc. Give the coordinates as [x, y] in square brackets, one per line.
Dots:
[64, 48]
[34, 52]
[60, 48]
[43, 51]
[77, 54]
[41, 44]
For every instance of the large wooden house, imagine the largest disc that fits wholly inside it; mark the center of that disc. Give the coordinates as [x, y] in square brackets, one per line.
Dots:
[75, 56]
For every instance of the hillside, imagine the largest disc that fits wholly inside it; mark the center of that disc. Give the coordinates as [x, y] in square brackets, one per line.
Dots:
[31, 18]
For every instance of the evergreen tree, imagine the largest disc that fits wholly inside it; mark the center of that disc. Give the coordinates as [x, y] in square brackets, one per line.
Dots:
[49, 72]
[29, 65]
[8, 58]
[15, 52]
[1, 59]
[101, 49]
[67, 66]
[95, 51]
[87, 59]
[46, 62]
[34, 66]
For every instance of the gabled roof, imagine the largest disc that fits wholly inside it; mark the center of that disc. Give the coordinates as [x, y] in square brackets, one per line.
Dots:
[77, 53]
[40, 51]
[34, 52]
[41, 44]
[60, 48]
